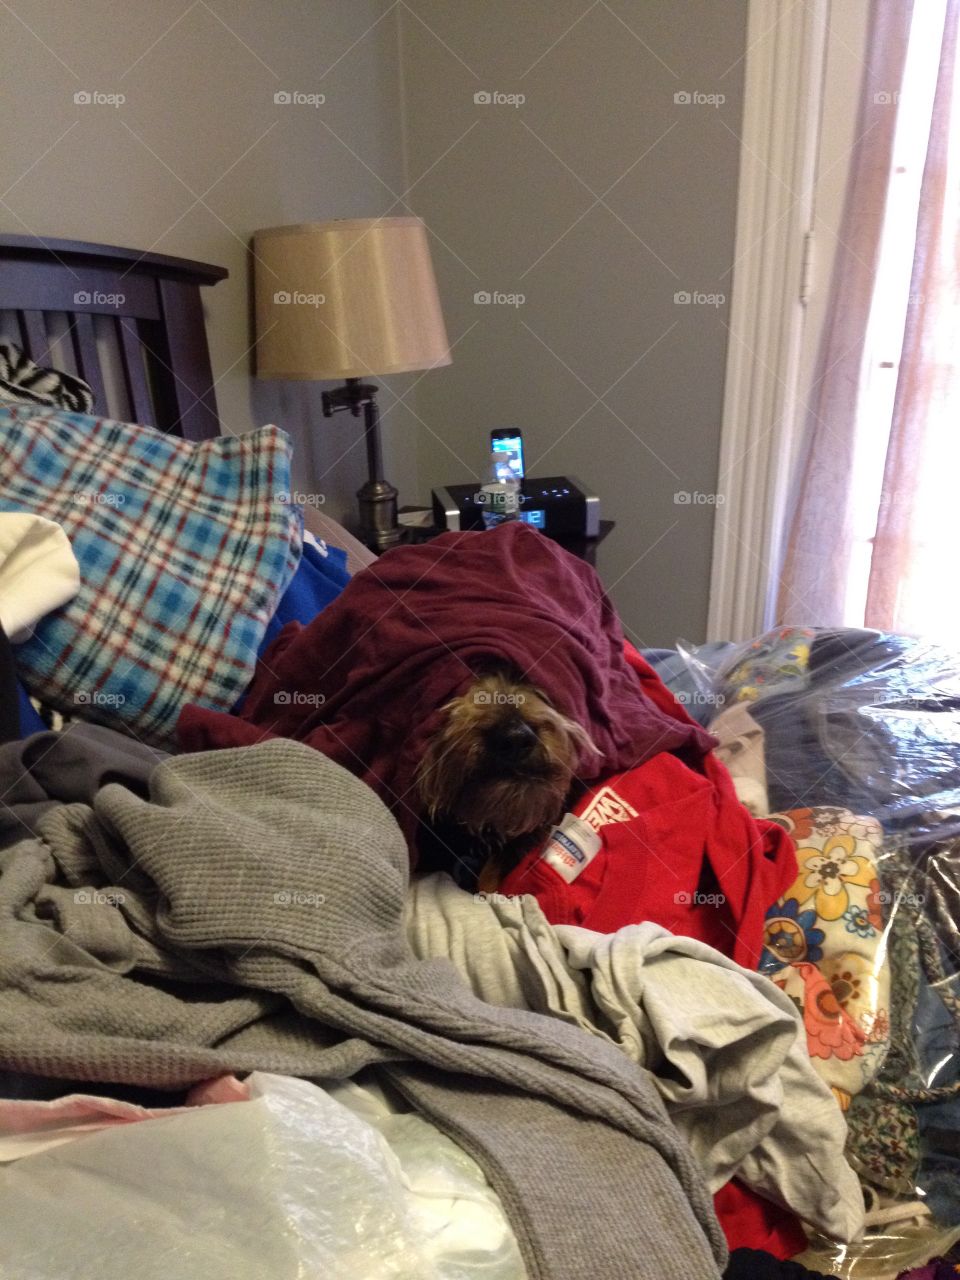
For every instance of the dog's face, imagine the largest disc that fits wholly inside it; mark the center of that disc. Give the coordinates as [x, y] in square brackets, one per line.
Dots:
[503, 761]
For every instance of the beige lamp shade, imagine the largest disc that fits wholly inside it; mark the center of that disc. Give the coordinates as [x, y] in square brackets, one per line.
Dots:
[346, 299]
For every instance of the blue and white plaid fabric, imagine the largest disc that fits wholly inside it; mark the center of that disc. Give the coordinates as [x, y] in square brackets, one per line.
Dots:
[184, 551]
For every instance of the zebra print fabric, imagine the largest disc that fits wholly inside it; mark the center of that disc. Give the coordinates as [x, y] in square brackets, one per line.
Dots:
[23, 381]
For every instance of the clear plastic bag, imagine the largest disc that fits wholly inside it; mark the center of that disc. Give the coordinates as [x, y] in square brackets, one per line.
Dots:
[290, 1184]
[851, 739]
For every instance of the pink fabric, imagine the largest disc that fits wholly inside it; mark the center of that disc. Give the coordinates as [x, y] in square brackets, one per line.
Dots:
[813, 581]
[219, 1089]
[830, 1029]
[28, 1127]
[908, 591]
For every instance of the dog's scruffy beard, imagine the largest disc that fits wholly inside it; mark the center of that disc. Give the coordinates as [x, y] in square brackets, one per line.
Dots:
[502, 764]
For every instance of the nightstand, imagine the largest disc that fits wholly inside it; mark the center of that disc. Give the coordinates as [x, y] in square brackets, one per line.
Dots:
[582, 547]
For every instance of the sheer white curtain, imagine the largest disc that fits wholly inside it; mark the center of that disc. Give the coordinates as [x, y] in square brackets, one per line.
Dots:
[912, 585]
[869, 520]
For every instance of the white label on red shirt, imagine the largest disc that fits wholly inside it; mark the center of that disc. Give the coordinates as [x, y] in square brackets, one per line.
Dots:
[572, 846]
[606, 806]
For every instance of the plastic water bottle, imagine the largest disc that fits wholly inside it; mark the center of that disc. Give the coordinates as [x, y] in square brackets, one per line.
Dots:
[500, 492]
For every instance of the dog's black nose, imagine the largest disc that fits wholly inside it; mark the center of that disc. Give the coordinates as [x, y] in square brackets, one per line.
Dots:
[511, 741]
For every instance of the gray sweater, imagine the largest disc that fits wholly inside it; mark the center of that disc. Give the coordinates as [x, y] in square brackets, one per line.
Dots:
[249, 915]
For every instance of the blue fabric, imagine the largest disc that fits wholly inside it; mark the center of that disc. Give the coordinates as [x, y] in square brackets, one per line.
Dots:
[936, 1035]
[318, 581]
[675, 672]
[30, 721]
[939, 1173]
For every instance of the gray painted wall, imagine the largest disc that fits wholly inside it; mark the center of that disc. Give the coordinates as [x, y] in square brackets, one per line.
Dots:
[598, 199]
[607, 376]
[199, 156]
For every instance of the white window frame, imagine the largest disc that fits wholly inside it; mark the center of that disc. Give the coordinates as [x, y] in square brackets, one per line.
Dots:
[783, 90]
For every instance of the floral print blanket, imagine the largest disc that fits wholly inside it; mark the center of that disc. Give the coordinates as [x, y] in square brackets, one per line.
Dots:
[823, 945]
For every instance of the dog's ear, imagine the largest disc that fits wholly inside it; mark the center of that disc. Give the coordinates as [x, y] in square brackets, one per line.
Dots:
[581, 737]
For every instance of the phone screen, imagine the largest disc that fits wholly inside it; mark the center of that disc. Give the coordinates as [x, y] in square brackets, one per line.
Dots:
[507, 441]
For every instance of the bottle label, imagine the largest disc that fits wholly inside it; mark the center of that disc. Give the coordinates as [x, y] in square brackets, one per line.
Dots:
[501, 501]
[571, 847]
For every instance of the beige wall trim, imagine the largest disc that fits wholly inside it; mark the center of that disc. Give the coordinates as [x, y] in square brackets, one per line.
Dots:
[783, 91]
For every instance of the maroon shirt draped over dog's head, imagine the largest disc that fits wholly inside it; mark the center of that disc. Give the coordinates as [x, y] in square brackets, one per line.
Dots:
[366, 680]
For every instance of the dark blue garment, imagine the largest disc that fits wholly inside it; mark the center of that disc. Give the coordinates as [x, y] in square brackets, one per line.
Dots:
[9, 693]
[18, 717]
[936, 1035]
[30, 721]
[877, 731]
[757, 1264]
[937, 1038]
[939, 1174]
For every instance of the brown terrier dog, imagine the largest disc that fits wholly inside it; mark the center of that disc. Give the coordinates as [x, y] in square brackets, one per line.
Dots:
[498, 774]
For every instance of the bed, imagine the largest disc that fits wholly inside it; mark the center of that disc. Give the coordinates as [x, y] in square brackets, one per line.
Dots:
[859, 766]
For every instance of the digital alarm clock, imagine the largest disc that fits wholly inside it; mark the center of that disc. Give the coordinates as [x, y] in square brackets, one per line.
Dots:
[562, 506]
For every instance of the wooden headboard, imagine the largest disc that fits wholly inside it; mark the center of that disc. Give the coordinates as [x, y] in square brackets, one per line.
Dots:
[129, 323]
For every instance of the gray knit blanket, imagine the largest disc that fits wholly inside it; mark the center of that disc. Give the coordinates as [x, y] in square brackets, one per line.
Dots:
[248, 914]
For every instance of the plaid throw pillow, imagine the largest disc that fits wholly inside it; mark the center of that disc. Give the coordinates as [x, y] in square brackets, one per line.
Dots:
[184, 551]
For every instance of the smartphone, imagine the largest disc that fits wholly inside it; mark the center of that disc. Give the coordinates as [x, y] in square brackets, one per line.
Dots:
[509, 440]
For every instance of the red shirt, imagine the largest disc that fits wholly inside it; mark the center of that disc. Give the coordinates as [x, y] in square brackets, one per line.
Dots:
[677, 848]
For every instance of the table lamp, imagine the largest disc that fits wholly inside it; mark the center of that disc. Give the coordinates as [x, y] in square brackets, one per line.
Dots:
[350, 299]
